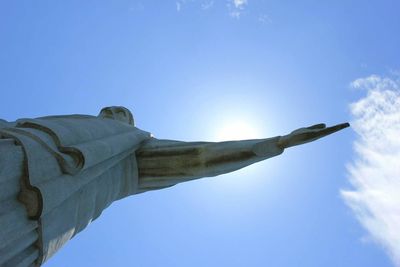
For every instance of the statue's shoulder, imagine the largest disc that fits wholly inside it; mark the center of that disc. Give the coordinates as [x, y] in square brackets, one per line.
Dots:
[5, 124]
[79, 128]
[78, 117]
[71, 116]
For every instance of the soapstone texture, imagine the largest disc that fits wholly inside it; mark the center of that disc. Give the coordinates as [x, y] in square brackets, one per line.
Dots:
[58, 173]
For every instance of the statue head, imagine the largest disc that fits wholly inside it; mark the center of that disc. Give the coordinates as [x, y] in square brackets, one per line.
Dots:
[117, 113]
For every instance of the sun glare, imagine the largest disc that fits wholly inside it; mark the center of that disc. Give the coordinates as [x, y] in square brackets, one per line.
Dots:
[238, 129]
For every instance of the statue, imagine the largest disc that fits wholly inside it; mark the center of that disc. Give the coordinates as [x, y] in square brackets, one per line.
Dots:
[58, 173]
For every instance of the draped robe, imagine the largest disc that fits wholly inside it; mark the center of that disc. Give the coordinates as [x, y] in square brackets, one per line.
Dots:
[58, 174]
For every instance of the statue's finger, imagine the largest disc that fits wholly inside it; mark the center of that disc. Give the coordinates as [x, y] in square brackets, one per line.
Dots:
[333, 129]
[309, 136]
[317, 126]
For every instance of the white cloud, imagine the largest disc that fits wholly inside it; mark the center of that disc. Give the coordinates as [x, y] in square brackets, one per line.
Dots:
[375, 171]
[235, 14]
[375, 82]
[264, 19]
[136, 7]
[204, 5]
[239, 3]
[178, 6]
[236, 8]
[207, 5]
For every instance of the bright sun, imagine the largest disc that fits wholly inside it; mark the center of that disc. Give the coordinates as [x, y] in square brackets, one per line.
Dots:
[238, 129]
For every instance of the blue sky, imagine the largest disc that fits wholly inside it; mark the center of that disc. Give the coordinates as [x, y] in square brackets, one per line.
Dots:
[186, 68]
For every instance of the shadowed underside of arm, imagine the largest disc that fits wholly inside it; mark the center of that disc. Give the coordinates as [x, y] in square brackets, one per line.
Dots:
[163, 163]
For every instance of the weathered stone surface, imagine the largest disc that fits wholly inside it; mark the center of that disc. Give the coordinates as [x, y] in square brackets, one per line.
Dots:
[61, 172]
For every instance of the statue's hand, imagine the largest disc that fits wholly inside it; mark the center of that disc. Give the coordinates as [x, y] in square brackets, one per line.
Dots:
[309, 134]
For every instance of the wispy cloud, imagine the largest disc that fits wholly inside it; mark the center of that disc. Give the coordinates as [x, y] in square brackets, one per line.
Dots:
[264, 19]
[236, 8]
[178, 5]
[375, 171]
[239, 3]
[235, 14]
[136, 6]
[204, 4]
[207, 5]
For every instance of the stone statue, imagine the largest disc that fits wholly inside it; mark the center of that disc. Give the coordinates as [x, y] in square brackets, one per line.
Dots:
[58, 173]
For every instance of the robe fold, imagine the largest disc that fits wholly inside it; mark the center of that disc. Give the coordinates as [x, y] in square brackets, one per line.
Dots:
[60, 173]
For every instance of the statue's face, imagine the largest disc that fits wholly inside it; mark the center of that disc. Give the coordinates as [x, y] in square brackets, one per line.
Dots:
[117, 113]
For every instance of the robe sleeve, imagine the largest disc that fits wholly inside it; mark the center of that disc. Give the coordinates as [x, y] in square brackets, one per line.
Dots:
[164, 163]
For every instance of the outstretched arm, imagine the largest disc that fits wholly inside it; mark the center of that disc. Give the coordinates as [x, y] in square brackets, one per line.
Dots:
[164, 163]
